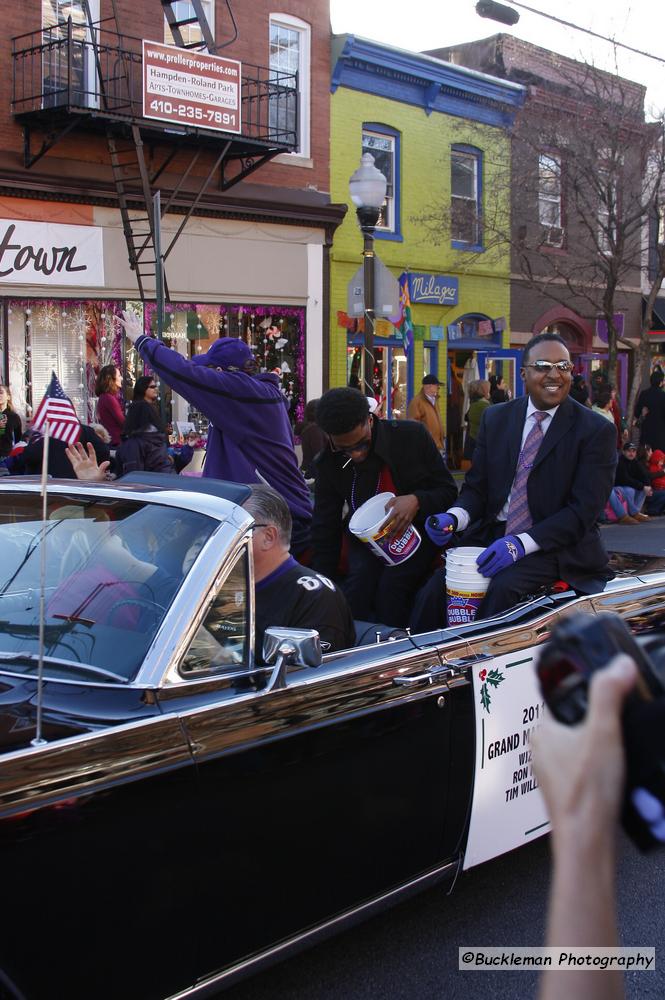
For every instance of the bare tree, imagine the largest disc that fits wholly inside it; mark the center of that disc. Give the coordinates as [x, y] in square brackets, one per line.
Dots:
[585, 175]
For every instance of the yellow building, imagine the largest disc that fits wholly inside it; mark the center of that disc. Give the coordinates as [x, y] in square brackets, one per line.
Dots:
[438, 132]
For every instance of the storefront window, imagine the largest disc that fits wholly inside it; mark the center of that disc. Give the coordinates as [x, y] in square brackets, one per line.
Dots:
[390, 377]
[72, 337]
[75, 338]
[276, 335]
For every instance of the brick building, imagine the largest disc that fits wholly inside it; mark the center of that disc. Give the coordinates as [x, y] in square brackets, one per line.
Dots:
[576, 181]
[78, 149]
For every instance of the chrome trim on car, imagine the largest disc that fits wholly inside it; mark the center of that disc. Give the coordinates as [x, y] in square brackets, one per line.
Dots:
[298, 942]
[78, 765]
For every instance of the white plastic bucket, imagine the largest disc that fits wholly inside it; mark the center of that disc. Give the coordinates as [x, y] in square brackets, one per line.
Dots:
[465, 587]
[370, 525]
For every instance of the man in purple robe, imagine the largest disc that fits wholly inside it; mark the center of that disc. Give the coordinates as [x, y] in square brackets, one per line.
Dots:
[250, 439]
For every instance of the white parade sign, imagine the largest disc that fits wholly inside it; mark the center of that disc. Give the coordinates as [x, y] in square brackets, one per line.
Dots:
[47, 253]
[507, 809]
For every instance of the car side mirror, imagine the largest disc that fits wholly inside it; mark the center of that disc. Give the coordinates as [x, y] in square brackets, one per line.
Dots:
[289, 647]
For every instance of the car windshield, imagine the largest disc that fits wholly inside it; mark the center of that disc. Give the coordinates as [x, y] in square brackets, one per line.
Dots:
[113, 568]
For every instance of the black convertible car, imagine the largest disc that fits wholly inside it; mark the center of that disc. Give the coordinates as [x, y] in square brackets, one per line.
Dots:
[173, 816]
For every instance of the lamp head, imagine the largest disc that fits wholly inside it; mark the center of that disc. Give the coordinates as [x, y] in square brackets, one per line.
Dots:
[367, 185]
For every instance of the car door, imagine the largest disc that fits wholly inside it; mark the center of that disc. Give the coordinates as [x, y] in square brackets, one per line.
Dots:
[91, 831]
[322, 795]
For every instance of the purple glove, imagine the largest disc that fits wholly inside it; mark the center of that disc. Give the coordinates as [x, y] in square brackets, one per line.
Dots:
[499, 555]
[441, 528]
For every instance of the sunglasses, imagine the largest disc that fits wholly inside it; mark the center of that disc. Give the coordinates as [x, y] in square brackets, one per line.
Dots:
[545, 367]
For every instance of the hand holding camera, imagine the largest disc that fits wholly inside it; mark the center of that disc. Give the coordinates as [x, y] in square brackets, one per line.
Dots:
[574, 661]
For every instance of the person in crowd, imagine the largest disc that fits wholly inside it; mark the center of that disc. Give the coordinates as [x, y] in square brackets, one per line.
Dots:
[579, 390]
[101, 433]
[29, 461]
[656, 469]
[312, 439]
[632, 476]
[542, 473]
[655, 503]
[110, 411]
[479, 395]
[615, 410]
[250, 438]
[144, 446]
[367, 456]
[145, 388]
[288, 594]
[10, 423]
[602, 404]
[650, 412]
[581, 773]
[425, 408]
[499, 392]
[621, 509]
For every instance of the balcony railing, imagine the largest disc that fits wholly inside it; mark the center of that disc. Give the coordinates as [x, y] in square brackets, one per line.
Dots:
[71, 69]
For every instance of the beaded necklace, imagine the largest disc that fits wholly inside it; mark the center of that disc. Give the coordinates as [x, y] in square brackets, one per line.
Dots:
[353, 489]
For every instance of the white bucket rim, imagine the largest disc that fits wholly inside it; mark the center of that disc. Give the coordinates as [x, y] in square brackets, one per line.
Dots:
[370, 528]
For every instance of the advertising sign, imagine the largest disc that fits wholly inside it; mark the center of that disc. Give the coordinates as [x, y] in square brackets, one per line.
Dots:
[47, 253]
[507, 809]
[191, 88]
[435, 289]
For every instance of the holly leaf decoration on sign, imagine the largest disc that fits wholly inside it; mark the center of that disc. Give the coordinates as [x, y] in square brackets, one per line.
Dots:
[489, 677]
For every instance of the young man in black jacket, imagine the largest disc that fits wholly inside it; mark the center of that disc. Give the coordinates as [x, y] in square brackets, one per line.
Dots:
[367, 456]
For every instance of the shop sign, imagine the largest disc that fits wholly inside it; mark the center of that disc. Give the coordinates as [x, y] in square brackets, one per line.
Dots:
[508, 809]
[47, 253]
[433, 289]
[191, 88]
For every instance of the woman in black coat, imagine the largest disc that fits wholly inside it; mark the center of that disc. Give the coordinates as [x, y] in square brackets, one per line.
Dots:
[144, 446]
[650, 412]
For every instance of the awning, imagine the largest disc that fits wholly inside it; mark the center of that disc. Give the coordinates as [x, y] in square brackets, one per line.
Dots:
[658, 314]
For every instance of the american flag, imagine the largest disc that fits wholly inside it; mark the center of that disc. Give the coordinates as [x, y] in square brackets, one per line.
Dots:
[59, 410]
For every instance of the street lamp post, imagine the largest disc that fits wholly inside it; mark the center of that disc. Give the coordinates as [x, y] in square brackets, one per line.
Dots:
[367, 187]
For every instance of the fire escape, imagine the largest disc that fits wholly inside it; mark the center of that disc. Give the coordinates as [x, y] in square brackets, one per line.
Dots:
[88, 75]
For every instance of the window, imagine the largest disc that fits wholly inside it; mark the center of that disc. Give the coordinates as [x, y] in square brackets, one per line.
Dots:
[608, 201]
[221, 640]
[191, 33]
[383, 144]
[549, 198]
[289, 67]
[465, 189]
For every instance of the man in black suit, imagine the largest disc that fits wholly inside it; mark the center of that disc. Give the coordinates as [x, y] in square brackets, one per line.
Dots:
[364, 457]
[541, 474]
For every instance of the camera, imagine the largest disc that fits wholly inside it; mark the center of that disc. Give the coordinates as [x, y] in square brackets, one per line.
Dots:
[579, 646]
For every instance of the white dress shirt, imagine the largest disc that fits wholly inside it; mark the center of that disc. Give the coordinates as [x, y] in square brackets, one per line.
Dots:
[462, 515]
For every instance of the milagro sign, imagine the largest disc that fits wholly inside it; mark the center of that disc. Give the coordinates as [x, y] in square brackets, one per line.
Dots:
[191, 88]
[47, 253]
[433, 289]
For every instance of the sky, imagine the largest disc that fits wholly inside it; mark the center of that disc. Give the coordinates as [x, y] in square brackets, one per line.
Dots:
[429, 24]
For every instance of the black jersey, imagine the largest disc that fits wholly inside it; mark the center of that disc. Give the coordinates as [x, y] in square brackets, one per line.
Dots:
[296, 597]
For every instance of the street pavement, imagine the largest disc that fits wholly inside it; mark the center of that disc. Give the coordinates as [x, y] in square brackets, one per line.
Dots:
[411, 951]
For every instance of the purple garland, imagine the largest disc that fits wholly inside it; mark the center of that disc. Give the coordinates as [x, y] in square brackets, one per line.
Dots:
[115, 306]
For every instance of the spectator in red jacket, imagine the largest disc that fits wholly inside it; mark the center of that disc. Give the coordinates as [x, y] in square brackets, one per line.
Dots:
[110, 412]
[657, 469]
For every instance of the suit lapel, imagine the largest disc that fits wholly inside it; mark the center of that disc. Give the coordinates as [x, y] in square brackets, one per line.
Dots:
[562, 421]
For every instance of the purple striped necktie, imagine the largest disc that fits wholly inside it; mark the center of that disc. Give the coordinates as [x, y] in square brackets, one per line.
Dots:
[519, 515]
